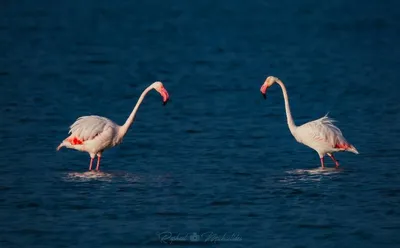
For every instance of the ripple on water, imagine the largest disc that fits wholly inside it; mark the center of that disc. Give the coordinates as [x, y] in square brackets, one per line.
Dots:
[116, 176]
[88, 176]
[308, 175]
[316, 171]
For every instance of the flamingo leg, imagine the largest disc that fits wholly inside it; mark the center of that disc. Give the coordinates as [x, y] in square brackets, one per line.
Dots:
[91, 162]
[334, 160]
[98, 162]
[322, 162]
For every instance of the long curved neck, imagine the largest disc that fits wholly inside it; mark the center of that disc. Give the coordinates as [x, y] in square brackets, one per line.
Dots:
[290, 122]
[124, 128]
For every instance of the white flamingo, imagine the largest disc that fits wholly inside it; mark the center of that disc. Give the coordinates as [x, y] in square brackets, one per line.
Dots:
[321, 135]
[94, 134]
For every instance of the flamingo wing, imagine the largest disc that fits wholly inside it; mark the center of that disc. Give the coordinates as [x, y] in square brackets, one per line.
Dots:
[325, 131]
[87, 128]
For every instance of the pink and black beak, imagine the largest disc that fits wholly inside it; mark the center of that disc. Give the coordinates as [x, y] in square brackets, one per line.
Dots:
[264, 90]
[165, 95]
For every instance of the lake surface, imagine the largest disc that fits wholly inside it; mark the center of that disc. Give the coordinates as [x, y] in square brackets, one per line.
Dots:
[217, 162]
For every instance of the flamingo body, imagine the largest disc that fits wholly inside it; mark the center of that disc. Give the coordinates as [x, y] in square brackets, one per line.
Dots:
[321, 134]
[93, 134]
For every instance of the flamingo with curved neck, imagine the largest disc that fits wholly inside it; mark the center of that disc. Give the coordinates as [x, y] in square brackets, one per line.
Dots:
[93, 134]
[321, 134]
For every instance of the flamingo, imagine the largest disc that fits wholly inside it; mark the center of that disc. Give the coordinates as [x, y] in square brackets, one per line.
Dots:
[321, 134]
[93, 134]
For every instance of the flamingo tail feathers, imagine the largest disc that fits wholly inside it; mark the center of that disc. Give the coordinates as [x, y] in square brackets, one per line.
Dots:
[352, 149]
[63, 144]
[346, 147]
[71, 142]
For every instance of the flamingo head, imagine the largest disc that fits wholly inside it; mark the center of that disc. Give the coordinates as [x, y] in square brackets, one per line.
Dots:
[268, 82]
[159, 87]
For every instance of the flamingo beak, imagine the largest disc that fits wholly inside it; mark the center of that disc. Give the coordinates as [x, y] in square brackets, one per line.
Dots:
[264, 90]
[165, 95]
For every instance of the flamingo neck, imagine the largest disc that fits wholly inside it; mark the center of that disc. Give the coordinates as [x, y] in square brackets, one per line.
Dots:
[124, 128]
[290, 122]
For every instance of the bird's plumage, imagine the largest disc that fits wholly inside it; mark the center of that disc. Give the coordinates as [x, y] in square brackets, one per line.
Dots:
[88, 127]
[94, 134]
[321, 135]
[322, 130]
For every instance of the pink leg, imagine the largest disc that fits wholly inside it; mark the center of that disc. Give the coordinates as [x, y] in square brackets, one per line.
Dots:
[98, 162]
[334, 160]
[91, 162]
[322, 162]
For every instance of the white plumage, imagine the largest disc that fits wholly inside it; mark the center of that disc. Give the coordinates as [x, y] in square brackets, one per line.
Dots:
[94, 134]
[321, 129]
[88, 127]
[321, 134]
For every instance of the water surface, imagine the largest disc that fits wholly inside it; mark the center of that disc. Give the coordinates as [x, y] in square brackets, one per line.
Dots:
[217, 158]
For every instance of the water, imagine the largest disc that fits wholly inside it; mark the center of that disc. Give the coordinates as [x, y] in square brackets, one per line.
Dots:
[217, 158]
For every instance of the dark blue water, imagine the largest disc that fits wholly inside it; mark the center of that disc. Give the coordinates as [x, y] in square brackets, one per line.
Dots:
[217, 158]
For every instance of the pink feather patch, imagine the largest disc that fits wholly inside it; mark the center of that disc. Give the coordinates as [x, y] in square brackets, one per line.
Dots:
[75, 141]
[342, 146]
